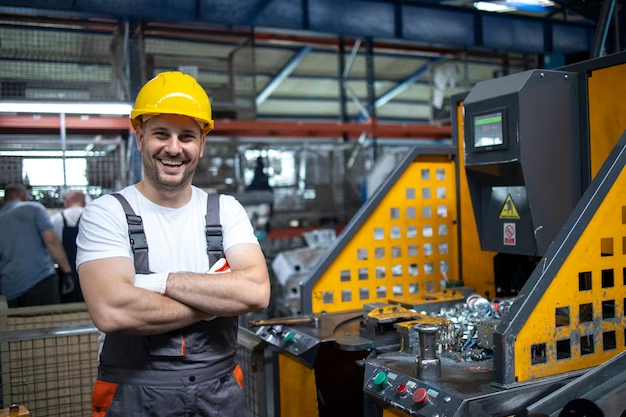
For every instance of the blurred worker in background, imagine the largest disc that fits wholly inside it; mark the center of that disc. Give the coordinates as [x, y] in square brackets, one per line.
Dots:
[169, 322]
[27, 272]
[65, 225]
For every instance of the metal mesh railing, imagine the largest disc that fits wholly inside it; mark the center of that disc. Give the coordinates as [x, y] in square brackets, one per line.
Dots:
[50, 371]
[250, 358]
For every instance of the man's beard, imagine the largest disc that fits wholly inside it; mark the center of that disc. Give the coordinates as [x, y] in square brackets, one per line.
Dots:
[165, 182]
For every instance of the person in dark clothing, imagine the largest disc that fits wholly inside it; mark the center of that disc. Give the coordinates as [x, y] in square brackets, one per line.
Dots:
[27, 241]
[66, 224]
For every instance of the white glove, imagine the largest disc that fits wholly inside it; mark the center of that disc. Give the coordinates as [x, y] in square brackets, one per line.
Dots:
[219, 267]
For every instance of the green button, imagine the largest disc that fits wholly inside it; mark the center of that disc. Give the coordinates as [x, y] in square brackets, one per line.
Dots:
[381, 379]
[288, 337]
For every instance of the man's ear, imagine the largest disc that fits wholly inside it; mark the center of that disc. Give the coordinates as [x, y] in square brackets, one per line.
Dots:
[202, 144]
[139, 137]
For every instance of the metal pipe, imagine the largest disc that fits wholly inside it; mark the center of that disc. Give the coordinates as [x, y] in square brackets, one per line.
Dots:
[287, 321]
[63, 147]
[428, 364]
[602, 28]
[353, 54]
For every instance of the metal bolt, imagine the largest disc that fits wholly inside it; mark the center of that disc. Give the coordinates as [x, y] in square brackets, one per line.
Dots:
[542, 75]
[566, 77]
[447, 399]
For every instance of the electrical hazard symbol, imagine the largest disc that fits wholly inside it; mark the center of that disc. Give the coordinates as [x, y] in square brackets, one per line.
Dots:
[509, 211]
[509, 234]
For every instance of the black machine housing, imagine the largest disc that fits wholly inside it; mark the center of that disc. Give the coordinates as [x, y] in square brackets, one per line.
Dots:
[523, 158]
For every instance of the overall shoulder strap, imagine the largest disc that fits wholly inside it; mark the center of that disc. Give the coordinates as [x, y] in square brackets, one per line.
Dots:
[137, 237]
[64, 219]
[213, 229]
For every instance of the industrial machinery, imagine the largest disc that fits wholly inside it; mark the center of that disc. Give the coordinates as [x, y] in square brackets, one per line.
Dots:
[568, 316]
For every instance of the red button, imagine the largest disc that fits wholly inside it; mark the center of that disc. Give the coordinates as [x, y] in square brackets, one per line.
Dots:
[420, 396]
[401, 389]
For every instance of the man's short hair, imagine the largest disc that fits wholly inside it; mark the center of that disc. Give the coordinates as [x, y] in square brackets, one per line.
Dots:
[14, 191]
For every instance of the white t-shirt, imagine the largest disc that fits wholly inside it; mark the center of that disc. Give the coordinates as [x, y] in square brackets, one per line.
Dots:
[176, 236]
[71, 214]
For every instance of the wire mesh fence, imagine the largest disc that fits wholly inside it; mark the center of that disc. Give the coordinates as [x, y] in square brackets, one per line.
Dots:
[60, 63]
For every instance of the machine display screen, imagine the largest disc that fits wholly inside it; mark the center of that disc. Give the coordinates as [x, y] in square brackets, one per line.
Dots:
[488, 130]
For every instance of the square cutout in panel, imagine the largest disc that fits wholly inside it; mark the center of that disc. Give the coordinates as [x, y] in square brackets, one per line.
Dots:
[624, 275]
[443, 266]
[586, 345]
[327, 297]
[396, 252]
[585, 313]
[411, 232]
[363, 274]
[410, 193]
[563, 349]
[606, 246]
[379, 233]
[413, 270]
[410, 213]
[584, 281]
[608, 309]
[538, 354]
[414, 288]
[397, 290]
[427, 231]
[624, 245]
[428, 249]
[441, 174]
[412, 250]
[441, 192]
[561, 316]
[425, 174]
[623, 214]
[380, 272]
[442, 211]
[609, 340]
[443, 248]
[427, 212]
[362, 254]
[395, 213]
[396, 270]
[379, 253]
[364, 294]
[346, 296]
[443, 230]
[395, 232]
[428, 268]
[608, 278]
[381, 291]
[345, 275]
[425, 193]
[430, 286]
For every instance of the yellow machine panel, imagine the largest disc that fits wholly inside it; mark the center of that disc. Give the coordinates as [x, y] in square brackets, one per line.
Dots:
[476, 265]
[298, 393]
[403, 248]
[579, 321]
[607, 112]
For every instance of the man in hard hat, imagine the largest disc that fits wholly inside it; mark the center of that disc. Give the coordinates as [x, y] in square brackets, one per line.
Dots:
[147, 258]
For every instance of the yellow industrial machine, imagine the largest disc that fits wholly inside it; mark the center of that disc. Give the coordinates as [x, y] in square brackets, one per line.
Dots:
[541, 185]
[395, 261]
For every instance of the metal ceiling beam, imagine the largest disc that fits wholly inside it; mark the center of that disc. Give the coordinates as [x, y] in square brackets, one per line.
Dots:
[403, 85]
[282, 75]
[25, 124]
[456, 27]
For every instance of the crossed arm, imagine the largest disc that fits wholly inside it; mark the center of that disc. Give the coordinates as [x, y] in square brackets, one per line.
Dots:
[116, 305]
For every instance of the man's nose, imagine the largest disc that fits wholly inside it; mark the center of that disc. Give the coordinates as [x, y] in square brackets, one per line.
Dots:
[173, 145]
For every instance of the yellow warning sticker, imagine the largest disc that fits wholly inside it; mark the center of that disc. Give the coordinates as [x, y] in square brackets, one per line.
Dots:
[508, 210]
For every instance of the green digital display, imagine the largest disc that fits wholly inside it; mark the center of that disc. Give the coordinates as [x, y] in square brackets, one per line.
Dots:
[488, 130]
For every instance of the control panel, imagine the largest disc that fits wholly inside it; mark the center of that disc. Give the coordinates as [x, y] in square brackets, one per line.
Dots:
[288, 339]
[408, 394]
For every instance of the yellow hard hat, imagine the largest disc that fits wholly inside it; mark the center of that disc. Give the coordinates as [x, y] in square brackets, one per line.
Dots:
[173, 93]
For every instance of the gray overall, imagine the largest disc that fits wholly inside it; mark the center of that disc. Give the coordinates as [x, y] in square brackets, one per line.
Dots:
[186, 372]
